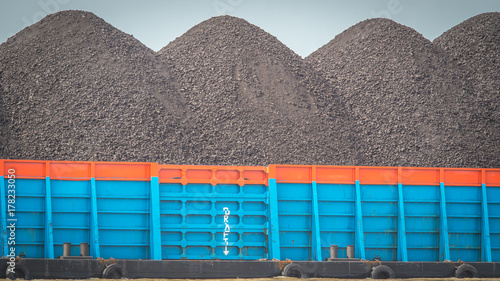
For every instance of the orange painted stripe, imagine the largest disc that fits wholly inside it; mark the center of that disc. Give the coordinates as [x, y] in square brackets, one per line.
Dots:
[293, 173]
[383, 175]
[462, 177]
[122, 171]
[26, 169]
[241, 175]
[420, 176]
[185, 174]
[271, 169]
[375, 175]
[255, 175]
[340, 175]
[492, 177]
[155, 168]
[70, 171]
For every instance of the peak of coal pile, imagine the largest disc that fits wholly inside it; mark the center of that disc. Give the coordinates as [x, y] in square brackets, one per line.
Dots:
[409, 100]
[475, 46]
[253, 100]
[75, 88]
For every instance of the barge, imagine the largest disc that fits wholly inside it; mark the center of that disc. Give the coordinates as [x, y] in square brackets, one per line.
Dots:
[65, 219]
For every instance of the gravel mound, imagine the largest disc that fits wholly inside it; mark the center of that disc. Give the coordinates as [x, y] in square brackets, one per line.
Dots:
[411, 103]
[76, 88]
[475, 46]
[254, 101]
[228, 93]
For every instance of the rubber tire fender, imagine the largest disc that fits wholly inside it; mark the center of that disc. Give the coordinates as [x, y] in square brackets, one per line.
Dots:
[20, 271]
[382, 272]
[293, 270]
[466, 271]
[114, 271]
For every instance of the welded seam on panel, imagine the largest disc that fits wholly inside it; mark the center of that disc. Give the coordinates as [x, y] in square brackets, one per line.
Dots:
[316, 230]
[4, 213]
[274, 227]
[444, 245]
[49, 235]
[360, 240]
[94, 226]
[485, 228]
[402, 248]
[155, 231]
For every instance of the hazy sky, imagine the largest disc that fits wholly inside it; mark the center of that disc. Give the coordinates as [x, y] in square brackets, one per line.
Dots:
[303, 26]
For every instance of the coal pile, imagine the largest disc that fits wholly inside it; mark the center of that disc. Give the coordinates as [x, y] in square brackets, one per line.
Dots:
[254, 101]
[76, 88]
[475, 46]
[228, 93]
[410, 101]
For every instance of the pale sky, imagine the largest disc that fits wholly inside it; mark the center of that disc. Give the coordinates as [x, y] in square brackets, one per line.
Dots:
[302, 25]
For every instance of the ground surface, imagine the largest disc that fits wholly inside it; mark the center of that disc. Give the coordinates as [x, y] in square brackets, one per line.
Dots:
[286, 279]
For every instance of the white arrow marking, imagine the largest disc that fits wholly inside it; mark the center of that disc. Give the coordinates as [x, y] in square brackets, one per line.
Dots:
[227, 229]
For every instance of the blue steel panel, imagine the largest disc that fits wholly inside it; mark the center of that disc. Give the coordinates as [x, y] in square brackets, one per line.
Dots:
[295, 220]
[123, 238]
[421, 193]
[254, 237]
[232, 205]
[70, 214]
[295, 253]
[118, 252]
[463, 207]
[274, 241]
[359, 231]
[155, 228]
[123, 210]
[402, 247]
[192, 220]
[485, 227]
[444, 243]
[316, 230]
[380, 212]
[71, 189]
[336, 192]
[122, 189]
[255, 220]
[194, 223]
[336, 204]
[70, 205]
[123, 221]
[334, 207]
[294, 190]
[206, 189]
[493, 195]
[254, 189]
[30, 214]
[422, 221]
[71, 220]
[123, 205]
[95, 250]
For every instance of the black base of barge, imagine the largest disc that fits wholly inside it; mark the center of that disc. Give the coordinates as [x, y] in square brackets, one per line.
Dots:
[204, 269]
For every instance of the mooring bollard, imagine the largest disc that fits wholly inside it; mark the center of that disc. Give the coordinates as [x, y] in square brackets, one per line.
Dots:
[66, 249]
[84, 249]
[350, 251]
[334, 251]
